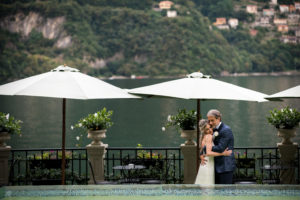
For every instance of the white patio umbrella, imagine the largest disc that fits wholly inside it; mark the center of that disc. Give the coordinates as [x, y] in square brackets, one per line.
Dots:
[199, 87]
[66, 83]
[293, 92]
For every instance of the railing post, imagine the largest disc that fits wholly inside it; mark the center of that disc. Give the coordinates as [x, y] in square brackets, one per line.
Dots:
[4, 172]
[288, 153]
[96, 154]
[189, 163]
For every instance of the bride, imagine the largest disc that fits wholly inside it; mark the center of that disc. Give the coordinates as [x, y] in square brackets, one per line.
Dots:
[206, 172]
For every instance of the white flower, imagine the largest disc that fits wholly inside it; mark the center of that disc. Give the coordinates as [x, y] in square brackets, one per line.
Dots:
[80, 124]
[169, 118]
[72, 127]
[216, 133]
[281, 126]
[163, 128]
[95, 114]
[7, 116]
[77, 138]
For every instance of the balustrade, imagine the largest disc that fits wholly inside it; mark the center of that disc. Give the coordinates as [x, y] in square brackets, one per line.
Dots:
[258, 164]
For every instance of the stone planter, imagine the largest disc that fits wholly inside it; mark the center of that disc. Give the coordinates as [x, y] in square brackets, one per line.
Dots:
[4, 136]
[96, 136]
[189, 135]
[286, 135]
[288, 154]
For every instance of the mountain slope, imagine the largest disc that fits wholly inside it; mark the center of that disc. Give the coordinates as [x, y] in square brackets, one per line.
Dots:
[128, 37]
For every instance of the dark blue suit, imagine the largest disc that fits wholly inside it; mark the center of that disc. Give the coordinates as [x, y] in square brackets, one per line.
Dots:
[224, 165]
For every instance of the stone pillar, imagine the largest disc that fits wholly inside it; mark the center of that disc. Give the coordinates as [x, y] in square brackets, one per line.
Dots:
[190, 161]
[288, 154]
[4, 172]
[96, 154]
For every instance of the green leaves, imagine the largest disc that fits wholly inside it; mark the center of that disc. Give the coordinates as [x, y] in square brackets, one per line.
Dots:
[9, 124]
[286, 118]
[186, 120]
[98, 121]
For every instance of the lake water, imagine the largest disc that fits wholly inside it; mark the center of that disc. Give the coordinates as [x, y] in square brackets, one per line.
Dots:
[141, 121]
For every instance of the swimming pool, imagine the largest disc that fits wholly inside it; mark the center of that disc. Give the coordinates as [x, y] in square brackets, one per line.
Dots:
[151, 192]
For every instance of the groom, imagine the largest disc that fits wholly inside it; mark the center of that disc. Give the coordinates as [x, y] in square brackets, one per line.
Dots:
[223, 138]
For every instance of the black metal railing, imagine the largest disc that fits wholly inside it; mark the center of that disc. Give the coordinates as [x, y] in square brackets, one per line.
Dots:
[256, 164]
[162, 163]
[262, 165]
[43, 166]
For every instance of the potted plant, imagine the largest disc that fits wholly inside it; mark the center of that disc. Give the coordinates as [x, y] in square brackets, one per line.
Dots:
[48, 160]
[96, 124]
[242, 161]
[186, 121]
[8, 125]
[286, 121]
[45, 176]
[149, 159]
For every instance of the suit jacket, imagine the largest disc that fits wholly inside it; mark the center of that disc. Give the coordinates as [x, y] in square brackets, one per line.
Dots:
[221, 142]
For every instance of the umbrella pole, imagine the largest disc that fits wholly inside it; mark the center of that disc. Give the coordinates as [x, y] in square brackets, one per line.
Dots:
[198, 132]
[63, 158]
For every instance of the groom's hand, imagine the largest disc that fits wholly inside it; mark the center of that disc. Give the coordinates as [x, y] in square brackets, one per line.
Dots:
[203, 160]
[227, 152]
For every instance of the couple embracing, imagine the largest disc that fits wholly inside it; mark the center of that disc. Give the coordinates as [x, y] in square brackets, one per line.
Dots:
[217, 157]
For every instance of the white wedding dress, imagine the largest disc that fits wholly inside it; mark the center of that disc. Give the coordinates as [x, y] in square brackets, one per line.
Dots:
[206, 173]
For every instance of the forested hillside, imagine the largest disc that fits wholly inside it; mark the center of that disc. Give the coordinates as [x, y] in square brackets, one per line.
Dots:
[125, 37]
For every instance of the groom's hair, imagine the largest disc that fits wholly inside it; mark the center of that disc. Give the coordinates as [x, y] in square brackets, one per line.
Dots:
[215, 113]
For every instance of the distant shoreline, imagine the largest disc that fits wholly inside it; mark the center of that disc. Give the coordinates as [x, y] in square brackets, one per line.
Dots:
[284, 73]
[223, 74]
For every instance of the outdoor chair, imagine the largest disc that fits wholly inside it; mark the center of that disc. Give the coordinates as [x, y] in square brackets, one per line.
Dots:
[153, 165]
[245, 172]
[11, 171]
[270, 168]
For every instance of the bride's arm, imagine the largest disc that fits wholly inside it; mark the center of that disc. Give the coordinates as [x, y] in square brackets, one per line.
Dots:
[209, 152]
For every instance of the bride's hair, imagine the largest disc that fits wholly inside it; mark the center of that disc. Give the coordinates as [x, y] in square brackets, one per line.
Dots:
[202, 125]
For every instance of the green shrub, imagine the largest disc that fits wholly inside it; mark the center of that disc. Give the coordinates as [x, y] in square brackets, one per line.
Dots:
[286, 118]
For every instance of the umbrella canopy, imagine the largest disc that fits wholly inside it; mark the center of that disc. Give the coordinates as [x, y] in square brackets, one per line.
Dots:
[200, 87]
[66, 83]
[293, 92]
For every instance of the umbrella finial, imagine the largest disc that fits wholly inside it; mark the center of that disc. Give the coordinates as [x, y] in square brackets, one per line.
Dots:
[197, 75]
[64, 68]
